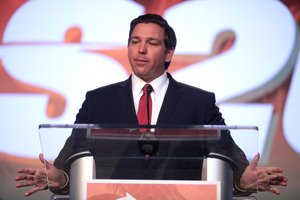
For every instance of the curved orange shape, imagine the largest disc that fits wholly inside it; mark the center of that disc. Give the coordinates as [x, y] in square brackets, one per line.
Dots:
[7, 9]
[56, 103]
[73, 35]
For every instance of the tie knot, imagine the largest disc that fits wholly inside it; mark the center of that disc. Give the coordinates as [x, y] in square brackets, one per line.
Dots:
[147, 89]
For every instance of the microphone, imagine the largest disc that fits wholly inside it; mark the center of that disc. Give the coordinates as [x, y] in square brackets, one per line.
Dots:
[148, 90]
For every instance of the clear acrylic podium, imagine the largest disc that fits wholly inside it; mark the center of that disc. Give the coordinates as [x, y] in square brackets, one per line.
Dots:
[128, 152]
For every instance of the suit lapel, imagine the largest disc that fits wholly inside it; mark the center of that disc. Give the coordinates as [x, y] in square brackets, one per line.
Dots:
[170, 102]
[126, 99]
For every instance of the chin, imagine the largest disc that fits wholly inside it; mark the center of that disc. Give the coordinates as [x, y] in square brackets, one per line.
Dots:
[140, 71]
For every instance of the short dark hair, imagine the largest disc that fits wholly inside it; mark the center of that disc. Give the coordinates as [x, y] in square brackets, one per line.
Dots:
[170, 37]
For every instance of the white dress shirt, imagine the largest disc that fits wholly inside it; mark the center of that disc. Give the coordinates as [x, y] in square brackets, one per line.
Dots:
[159, 86]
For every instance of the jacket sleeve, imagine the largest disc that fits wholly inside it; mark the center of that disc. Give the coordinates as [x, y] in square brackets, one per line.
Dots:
[227, 145]
[75, 142]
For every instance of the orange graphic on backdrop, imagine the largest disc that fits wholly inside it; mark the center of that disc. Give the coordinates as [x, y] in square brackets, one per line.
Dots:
[57, 102]
[158, 6]
[222, 43]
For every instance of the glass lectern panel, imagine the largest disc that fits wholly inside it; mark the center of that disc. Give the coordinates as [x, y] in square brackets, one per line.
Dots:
[151, 152]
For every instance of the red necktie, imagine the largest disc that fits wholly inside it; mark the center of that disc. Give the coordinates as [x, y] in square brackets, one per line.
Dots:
[145, 108]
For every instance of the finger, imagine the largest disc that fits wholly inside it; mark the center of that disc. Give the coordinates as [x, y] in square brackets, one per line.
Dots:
[41, 157]
[284, 181]
[271, 170]
[26, 170]
[44, 161]
[21, 170]
[279, 181]
[267, 179]
[283, 184]
[34, 190]
[274, 190]
[254, 162]
[25, 184]
[278, 177]
[19, 178]
[24, 177]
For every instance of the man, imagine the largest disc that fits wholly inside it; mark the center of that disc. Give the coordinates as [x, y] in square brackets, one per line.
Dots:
[151, 45]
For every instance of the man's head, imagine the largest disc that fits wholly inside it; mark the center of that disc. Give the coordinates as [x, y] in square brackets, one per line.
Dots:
[151, 45]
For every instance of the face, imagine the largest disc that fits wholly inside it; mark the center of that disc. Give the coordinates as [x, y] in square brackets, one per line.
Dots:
[147, 52]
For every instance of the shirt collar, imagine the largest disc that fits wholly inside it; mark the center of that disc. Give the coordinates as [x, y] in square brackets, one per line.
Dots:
[157, 84]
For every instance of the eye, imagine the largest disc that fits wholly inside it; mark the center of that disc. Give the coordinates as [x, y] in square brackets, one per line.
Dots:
[154, 42]
[134, 41]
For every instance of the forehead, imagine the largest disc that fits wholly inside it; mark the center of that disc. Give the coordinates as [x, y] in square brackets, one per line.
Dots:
[149, 30]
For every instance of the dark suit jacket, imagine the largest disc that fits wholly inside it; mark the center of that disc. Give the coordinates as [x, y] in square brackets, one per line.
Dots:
[182, 105]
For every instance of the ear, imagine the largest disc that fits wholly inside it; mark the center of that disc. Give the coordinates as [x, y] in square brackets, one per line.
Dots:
[169, 55]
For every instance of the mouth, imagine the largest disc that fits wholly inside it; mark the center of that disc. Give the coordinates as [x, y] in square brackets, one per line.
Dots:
[140, 61]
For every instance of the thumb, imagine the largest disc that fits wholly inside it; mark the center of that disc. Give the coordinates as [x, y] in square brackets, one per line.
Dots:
[41, 157]
[254, 162]
[44, 161]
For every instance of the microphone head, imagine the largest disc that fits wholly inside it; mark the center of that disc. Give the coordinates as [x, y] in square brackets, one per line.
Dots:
[149, 89]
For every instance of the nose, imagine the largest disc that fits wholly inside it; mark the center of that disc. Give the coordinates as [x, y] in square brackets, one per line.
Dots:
[142, 48]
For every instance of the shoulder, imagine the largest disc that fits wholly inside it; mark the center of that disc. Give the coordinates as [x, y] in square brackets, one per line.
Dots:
[193, 89]
[190, 90]
[110, 89]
